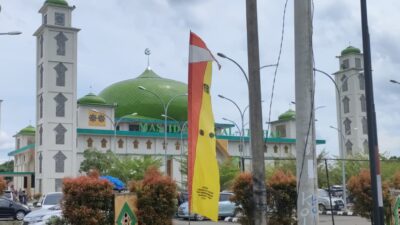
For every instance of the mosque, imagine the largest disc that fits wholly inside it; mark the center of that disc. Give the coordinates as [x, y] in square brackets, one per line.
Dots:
[136, 117]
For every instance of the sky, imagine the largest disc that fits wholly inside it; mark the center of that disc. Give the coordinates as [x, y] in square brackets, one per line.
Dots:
[115, 33]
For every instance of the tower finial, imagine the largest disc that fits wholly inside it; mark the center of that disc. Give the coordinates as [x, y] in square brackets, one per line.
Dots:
[148, 53]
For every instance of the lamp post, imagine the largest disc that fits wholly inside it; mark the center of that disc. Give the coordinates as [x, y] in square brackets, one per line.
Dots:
[11, 33]
[165, 108]
[394, 81]
[115, 124]
[241, 163]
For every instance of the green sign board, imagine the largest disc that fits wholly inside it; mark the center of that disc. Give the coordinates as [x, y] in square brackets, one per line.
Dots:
[126, 216]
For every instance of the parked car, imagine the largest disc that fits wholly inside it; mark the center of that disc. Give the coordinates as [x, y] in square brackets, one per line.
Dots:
[11, 209]
[9, 195]
[225, 208]
[41, 216]
[50, 199]
[324, 201]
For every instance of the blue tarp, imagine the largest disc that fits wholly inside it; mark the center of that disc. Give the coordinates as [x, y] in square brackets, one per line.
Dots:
[117, 183]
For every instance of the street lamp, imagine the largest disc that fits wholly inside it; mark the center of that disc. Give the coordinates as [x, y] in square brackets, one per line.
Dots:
[115, 124]
[241, 164]
[394, 81]
[11, 33]
[165, 108]
[341, 136]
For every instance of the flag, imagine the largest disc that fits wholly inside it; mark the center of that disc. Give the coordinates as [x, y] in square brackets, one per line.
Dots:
[203, 174]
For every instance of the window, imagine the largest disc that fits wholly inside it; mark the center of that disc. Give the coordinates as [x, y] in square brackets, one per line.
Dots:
[40, 162]
[89, 143]
[281, 130]
[41, 45]
[275, 149]
[135, 144]
[104, 143]
[347, 126]
[345, 87]
[148, 144]
[165, 145]
[366, 147]
[345, 64]
[60, 105]
[364, 125]
[41, 106]
[59, 19]
[59, 159]
[61, 40]
[346, 104]
[60, 74]
[120, 143]
[349, 147]
[60, 134]
[45, 19]
[358, 63]
[40, 135]
[286, 149]
[133, 127]
[265, 148]
[41, 76]
[18, 143]
[361, 81]
[177, 145]
[363, 103]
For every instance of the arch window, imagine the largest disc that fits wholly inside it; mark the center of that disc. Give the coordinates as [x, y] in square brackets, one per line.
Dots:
[361, 81]
[41, 76]
[347, 126]
[120, 143]
[275, 149]
[349, 147]
[345, 86]
[59, 160]
[286, 149]
[60, 77]
[135, 144]
[364, 125]
[346, 104]
[148, 144]
[40, 135]
[40, 162]
[89, 143]
[103, 143]
[60, 134]
[41, 106]
[177, 145]
[366, 147]
[363, 103]
[60, 100]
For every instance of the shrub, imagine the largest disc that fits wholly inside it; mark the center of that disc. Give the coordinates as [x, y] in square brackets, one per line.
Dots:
[243, 197]
[360, 187]
[88, 200]
[396, 180]
[282, 195]
[156, 198]
[55, 220]
[3, 185]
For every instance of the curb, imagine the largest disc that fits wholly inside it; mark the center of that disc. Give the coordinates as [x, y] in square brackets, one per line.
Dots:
[336, 213]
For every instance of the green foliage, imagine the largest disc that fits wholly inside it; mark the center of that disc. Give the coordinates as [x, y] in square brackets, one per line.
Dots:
[156, 198]
[287, 165]
[183, 168]
[360, 187]
[282, 196]
[87, 200]
[228, 170]
[55, 220]
[243, 196]
[125, 168]
[7, 166]
[97, 160]
[130, 168]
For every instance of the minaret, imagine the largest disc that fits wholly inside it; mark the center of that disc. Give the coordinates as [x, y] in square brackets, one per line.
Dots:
[352, 120]
[56, 64]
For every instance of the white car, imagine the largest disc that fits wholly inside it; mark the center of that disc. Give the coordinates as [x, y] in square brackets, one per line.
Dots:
[50, 199]
[41, 216]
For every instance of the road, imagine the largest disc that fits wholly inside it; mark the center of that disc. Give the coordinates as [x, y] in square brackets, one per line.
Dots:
[323, 220]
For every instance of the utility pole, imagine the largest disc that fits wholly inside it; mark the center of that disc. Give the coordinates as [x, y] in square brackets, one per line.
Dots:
[256, 132]
[376, 180]
[307, 201]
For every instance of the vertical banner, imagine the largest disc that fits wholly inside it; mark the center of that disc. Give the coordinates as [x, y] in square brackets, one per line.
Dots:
[203, 174]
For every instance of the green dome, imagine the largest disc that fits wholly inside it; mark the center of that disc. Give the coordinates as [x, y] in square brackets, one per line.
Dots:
[57, 2]
[351, 50]
[91, 99]
[288, 115]
[29, 130]
[131, 99]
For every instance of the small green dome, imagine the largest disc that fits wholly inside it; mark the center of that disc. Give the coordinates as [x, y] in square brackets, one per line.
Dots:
[131, 99]
[91, 99]
[57, 2]
[288, 115]
[29, 130]
[351, 50]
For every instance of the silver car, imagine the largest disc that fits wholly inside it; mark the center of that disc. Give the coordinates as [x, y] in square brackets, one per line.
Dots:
[41, 216]
[324, 201]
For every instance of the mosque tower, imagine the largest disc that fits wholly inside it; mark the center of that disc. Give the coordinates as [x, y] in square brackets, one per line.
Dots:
[56, 67]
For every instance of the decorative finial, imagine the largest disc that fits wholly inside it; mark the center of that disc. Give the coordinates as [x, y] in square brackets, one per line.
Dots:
[148, 53]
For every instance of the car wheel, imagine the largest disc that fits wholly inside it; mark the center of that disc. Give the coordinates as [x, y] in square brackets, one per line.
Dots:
[20, 215]
[199, 217]
[321, 208]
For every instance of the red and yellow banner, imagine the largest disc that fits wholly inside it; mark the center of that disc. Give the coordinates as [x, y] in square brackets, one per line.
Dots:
[203, 174]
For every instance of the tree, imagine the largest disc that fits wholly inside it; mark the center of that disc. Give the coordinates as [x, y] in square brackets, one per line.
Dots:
[97, 160]
[7, 166]
[228, 170]
[131, 168]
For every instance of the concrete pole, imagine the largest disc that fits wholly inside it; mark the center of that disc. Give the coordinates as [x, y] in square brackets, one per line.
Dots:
[307, 201]
[257, 142]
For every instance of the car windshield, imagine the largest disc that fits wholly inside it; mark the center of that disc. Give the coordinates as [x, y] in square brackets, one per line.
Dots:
[224, 197]
[52, 199]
